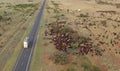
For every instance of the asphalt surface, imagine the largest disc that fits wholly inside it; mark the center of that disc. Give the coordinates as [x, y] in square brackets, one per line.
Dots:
[24, 59]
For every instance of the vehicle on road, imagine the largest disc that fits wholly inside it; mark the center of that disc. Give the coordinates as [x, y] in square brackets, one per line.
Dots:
[26, 42]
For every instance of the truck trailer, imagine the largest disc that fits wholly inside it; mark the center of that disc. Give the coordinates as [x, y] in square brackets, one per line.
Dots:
[26, 42]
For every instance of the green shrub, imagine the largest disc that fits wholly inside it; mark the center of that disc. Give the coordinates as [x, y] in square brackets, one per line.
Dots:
[74, 46]
[90, 67]
[71, 69]
[62, 70]
[96, 68]
[87, 67]
[61, 58]
[24, 5]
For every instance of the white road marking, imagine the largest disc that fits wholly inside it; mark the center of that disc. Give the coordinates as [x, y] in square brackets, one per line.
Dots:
[18, 60]
[29, 59]
[35, 40]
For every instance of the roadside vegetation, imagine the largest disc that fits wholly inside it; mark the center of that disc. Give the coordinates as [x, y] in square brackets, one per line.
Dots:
[13, 25]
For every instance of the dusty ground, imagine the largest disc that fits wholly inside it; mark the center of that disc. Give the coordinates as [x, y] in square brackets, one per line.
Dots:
[101, 24]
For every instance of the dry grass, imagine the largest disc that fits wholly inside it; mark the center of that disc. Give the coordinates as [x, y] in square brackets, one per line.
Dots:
[96, 24]
[13, 26]
[110, 62]
[18, 1]
[96, 28]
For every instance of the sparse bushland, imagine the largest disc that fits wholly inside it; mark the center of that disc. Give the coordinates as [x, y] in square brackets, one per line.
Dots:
[71, 69]
[104, 2]
[87, 65]
[117, 5]
[65, 39]
[25, 5]
[72, 34]
[12, 28]
[69, 43]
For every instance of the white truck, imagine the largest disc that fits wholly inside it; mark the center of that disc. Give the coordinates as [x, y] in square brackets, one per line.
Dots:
[26, 42]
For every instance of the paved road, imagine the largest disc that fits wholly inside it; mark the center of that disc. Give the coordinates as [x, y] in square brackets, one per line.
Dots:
[25, 56]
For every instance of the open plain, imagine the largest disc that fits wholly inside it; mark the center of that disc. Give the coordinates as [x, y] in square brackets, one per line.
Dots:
[74, 35]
